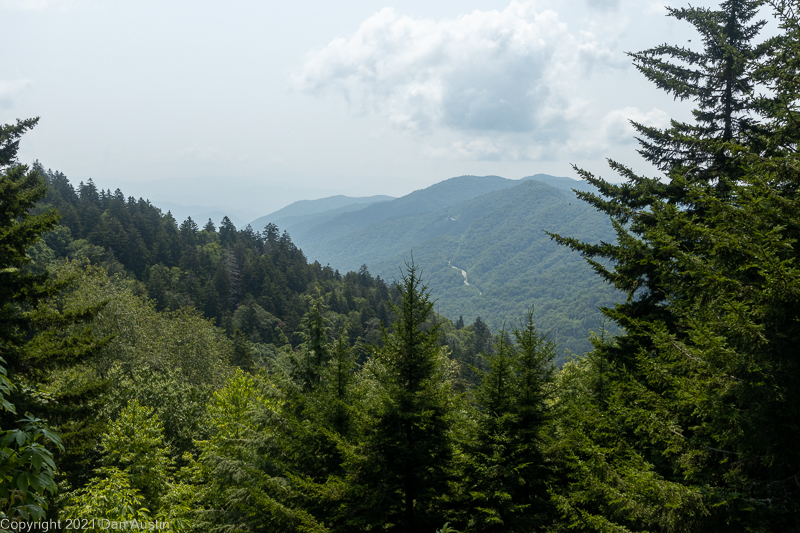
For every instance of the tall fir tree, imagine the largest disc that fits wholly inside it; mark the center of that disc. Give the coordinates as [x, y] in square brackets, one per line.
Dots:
[315, 348]
[410, 447]
[509, 470]
[35, 337]
[700, 373]
[720, 80]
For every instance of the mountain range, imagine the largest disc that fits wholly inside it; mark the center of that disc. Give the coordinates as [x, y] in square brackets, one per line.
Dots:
[481, 243]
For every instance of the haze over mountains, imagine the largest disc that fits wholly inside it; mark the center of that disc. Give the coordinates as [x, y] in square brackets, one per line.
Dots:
[311, 210]
[481, 242]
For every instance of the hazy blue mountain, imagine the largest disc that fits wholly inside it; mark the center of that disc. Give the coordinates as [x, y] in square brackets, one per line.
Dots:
[496, 236]
[438, 196]
[304, 209]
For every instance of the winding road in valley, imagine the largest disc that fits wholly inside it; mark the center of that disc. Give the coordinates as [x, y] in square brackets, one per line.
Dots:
[464, 273]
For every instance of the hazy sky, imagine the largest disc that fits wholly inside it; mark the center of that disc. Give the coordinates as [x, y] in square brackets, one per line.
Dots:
[253, 104]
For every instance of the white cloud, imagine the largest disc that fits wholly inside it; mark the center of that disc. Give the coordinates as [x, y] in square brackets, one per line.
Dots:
[10, 91]
[588, 137]
[510, 71]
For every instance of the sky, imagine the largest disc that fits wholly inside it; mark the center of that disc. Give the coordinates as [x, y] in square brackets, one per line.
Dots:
[247, 106]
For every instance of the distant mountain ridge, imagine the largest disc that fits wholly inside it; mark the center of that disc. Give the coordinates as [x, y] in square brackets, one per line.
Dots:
[306, 209]
[558, 182]
[437, 196]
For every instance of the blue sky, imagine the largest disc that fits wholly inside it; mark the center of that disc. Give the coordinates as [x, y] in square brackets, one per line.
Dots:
[251, 105]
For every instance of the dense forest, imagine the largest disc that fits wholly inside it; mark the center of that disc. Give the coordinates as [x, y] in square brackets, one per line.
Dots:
[158, 375]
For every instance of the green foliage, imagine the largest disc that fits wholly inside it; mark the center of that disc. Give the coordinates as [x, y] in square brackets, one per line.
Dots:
[692, 403]
[179, 405]
[314, 350]
[338, 380]
[111, 497]
[241, 487]
[507, 474]
[604, 482]
[169, 362]
[180, 340]
[27, 468]
[135, 443]
[410, 448]
[29, 347]
[135, 482]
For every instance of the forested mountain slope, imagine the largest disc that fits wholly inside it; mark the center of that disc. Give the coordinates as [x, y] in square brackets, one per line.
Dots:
[258, 283]
[244, 279]
[498, 239]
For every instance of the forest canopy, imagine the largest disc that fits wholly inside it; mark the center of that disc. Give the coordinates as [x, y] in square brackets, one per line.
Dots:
[213, 379]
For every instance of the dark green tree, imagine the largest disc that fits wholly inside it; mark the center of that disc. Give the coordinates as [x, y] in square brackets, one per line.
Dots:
[243, 352]
[508, 473]
[720, 81]
[227, 231]
[188, 231]
[410, 446]
[490, 471]
[339, 378]
[483, 337]
[697, 384]
[315, 351]
[20, 189]
[779, 73]
[31, 342]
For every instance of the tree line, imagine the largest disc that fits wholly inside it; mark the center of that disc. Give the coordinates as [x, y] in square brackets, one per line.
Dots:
[161, 382]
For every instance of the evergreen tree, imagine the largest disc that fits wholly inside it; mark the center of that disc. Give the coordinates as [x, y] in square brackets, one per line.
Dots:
[315, 349]
[779, 106]
[19, 191]
[243, 352]
[719, 80]
[508, 471]
[188, 231]
[492, 465]
[227, 232]
[483, 337]
[339, 380]
[32, 340]
[700, 375]
[533, 368]
[410, 447]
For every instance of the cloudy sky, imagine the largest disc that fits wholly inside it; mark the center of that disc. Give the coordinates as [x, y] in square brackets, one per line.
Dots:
[250, 105]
